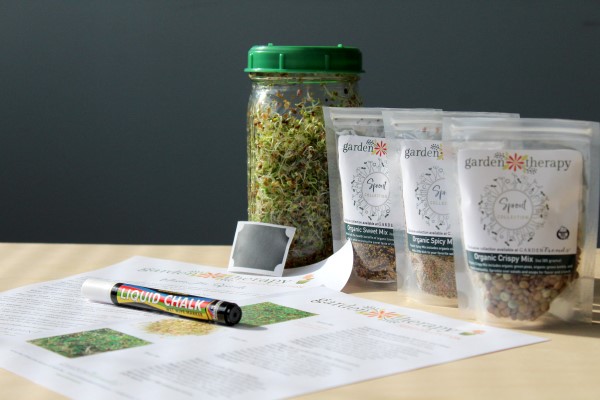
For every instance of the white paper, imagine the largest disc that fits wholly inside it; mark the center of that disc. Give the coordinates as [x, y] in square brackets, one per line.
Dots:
[336, 339]
[59, 304]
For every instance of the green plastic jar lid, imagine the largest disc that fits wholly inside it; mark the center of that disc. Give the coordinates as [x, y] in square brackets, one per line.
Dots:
[305, 59]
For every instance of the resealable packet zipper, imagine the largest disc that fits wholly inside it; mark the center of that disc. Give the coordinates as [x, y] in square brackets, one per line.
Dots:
[359, 191]
[525, 226]
[424, 251]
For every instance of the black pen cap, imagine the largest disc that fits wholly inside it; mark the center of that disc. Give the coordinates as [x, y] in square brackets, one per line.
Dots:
[229, 313]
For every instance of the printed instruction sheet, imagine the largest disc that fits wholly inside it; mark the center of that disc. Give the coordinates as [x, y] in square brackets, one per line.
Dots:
[285, 345]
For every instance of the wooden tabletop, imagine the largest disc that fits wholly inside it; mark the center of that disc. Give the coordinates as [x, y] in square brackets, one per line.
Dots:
[566, 367]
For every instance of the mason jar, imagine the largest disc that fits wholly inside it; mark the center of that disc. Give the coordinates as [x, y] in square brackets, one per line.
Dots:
[287, 152]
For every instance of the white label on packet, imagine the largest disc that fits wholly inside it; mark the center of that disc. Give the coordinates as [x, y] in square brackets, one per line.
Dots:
[520, 209]
[425, 197]
[366, 189]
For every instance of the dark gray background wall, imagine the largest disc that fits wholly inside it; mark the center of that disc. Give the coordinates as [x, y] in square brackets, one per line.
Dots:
[123, 121]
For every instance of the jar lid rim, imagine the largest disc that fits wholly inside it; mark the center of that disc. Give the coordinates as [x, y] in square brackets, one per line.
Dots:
[304, 59]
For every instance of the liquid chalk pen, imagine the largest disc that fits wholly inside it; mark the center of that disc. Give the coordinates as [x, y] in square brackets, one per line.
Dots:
[143, 298]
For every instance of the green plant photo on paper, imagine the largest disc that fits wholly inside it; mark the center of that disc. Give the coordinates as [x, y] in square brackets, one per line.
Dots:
[87, 343]
[269, 313]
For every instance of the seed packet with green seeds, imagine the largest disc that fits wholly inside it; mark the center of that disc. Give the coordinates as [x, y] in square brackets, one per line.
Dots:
[525, 198]
[359, 191]
[418, 177]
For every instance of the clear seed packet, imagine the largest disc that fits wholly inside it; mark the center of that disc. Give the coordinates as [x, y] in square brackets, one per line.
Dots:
[359, 192]
[418, 177]
[525, 193]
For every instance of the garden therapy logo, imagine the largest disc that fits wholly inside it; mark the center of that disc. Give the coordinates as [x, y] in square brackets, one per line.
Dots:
[435, 151]
[233, 278]
[212, 275]
[219, 276]
[380, 314]
[393, 317]
[516, 162]
[375, 147]
[380, 148]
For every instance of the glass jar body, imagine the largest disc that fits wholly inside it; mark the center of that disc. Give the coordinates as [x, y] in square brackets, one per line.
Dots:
[287, 156]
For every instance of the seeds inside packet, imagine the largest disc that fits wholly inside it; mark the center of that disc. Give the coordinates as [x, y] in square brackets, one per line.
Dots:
[359, 191]
[527, 217]
[418, 175]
